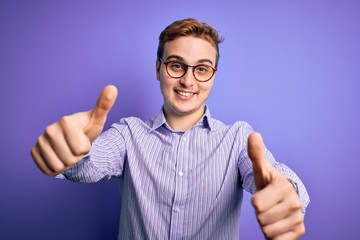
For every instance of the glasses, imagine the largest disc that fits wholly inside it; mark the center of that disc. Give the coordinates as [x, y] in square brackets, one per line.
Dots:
[177, 69]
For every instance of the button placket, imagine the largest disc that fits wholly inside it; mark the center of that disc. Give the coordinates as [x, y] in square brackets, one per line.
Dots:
[179, 207]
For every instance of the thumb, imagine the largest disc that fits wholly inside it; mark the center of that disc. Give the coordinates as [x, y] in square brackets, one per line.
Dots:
[261, 169]
[104, 104]
[99, 113]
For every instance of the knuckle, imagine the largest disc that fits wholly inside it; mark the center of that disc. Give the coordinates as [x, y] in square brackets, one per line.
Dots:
[33, 152]
[65, 122]
[57, 168]
[256, 204]
[71, 161]
[267, 232]
[82, 148]
[36, 158]
[295, 204]
[40, 142]
[261, 219]
[302, 229]
[49, 131]
[298, 225]
[48, 172]
[254, 201]
[299, 218]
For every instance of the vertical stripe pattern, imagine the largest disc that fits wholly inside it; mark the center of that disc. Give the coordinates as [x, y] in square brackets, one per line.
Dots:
[176, 185]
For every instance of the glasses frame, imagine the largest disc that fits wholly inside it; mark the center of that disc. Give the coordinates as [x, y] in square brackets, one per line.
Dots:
[186, 69]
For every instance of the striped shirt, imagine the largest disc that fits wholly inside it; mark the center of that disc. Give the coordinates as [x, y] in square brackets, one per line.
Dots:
[176, 185]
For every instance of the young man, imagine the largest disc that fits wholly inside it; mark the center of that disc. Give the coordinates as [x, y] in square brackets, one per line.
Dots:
[182, 172]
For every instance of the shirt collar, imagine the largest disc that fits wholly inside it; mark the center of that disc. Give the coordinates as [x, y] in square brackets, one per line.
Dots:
[159, 120]
[206, 121]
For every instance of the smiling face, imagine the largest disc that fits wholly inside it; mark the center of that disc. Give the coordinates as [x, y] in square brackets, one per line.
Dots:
[185, 97]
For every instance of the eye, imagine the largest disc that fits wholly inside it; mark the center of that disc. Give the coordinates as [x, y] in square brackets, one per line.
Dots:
[176, 66]
[202, 69]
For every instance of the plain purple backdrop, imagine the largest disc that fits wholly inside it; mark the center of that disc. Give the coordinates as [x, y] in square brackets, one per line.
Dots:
[289, 68]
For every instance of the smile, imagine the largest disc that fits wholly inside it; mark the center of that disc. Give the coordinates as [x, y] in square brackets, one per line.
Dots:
[185, 94]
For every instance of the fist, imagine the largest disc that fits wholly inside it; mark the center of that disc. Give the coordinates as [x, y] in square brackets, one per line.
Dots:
[64, 142]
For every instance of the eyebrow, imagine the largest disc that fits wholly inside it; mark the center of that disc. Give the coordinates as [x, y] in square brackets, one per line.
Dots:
[177, 57]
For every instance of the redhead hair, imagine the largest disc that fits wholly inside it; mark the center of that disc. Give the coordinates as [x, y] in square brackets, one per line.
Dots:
[189, 27]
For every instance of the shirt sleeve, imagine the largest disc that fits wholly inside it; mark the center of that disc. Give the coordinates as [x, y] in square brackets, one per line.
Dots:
[104, 161]
[246, 170]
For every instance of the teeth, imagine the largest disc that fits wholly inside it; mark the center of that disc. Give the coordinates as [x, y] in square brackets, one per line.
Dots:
[186, 94]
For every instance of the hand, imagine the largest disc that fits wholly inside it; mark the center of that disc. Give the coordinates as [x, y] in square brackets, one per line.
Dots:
[276, 203]
[64, 143]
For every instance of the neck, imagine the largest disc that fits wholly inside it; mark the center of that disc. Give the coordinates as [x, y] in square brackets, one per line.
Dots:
[183, 122]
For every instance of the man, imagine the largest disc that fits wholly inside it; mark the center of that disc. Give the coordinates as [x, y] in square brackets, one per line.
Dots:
[182, 172]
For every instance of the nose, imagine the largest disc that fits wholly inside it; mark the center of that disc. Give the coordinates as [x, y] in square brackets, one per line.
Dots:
[188, 79]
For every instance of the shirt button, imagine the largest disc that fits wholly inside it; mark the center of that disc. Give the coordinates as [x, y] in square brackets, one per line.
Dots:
[181, 173]
[177, 209]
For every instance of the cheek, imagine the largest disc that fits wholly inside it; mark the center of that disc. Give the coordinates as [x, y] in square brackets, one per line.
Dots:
[206, 89]
[165, 86]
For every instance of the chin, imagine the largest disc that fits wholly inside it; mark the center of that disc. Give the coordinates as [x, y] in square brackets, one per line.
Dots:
[186, 110]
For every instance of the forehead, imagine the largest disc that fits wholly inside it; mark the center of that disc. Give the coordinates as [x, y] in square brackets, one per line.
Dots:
[191, 49]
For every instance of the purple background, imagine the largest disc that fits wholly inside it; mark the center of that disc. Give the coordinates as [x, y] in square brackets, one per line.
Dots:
[289, 68]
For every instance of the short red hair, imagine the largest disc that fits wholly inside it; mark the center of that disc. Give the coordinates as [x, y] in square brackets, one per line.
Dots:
[189, 27]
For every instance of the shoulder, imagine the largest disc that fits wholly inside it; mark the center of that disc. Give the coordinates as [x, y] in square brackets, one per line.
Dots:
[130, 124]
[237, 127]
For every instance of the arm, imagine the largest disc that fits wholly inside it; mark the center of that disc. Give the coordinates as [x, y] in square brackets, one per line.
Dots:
[104, 161]
[277, 205]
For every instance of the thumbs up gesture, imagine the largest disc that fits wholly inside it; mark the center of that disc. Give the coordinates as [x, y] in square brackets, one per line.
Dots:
[64, 143]
[276, 203]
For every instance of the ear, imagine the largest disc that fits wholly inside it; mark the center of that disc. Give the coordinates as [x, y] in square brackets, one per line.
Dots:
[158, 65]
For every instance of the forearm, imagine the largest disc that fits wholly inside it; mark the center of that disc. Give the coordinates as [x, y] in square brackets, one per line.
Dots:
[82, 172]
[105, 160]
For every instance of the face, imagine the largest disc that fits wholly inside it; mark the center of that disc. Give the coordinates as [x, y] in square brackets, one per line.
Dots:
[185, 96]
